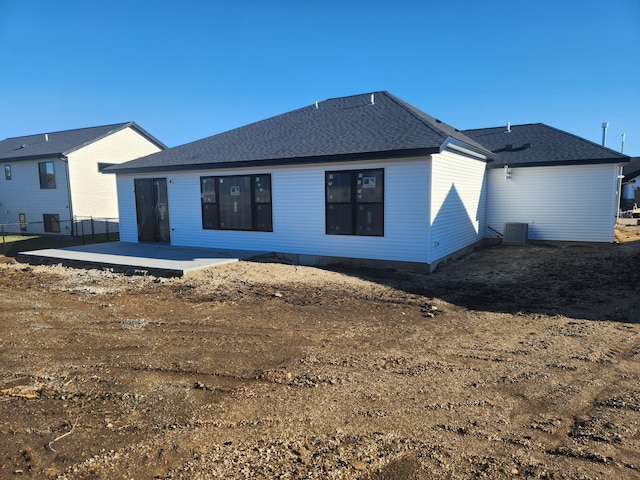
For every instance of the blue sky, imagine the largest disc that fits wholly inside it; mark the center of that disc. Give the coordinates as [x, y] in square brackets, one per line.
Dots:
[186, 70]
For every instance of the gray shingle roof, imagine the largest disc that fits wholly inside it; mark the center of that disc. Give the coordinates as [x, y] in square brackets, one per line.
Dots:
[540, 145]
[339, 128]
[61, 143]
[631, 170]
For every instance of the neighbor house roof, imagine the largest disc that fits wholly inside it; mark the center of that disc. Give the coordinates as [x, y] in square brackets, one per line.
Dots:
[62, 143]
[366, 126]
[631, 171]
[538, 144]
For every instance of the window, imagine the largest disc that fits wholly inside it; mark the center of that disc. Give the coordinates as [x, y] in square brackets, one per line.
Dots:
[7, 172]
[236, 202]
[47, 175]
[355, 202]
[51, 222]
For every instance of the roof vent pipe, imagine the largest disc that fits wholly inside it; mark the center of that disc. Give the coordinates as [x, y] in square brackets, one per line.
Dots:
[46, 137]
[605, 125]
[316, 104]
[622, 147]
[508, 127]
[373, 99]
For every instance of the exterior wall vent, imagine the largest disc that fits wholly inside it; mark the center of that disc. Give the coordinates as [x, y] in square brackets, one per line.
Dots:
[515, 233]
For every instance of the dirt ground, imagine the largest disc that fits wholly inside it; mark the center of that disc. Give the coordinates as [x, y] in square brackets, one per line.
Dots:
[515, 362]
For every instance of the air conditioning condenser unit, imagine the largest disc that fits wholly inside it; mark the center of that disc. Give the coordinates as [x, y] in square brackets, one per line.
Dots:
[515, 233]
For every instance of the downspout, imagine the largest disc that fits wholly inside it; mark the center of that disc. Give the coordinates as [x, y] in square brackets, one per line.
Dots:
[620, 177]
[70, 204]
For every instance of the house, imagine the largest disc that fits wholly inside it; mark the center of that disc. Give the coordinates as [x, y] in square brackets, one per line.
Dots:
[50, 179]
[563, 186]
[359, 178]
[631, 185]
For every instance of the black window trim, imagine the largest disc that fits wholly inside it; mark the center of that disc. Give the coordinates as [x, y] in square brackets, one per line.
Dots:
[354, 201]
[44, 184]
[49, 219]
[254, 203]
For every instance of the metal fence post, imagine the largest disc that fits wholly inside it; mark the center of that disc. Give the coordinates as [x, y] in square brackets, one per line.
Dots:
[106, 228]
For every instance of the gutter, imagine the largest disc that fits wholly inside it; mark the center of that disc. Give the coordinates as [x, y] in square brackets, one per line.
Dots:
[275, 162]
[465, 149]
[552, 163]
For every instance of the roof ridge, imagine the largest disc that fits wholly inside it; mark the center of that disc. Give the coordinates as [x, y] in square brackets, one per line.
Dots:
[411, 111]
[353, 96]
[120, 124]
[431, 122]
[502, 126]
[585, 140]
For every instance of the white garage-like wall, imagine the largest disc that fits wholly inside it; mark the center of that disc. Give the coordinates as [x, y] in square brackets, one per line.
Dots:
[298, 209]
[566, 203]
[93, 192]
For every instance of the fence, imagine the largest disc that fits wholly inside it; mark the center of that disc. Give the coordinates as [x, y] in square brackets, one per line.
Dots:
[85, 227]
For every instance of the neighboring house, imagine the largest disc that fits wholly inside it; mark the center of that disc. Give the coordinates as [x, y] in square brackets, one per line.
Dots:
[631, 185]
[366, 177]
[50, 178]
[563, 186]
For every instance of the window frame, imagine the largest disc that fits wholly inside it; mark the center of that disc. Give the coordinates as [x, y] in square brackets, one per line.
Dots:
[50, 220]
[213, 220]
[354, 202]
[47, 183]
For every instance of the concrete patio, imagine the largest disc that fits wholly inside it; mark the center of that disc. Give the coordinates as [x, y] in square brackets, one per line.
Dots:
[138, 258]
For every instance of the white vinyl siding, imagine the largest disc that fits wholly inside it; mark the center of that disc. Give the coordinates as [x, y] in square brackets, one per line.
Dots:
[298, 203]
[94, 193]
[567, 203]
[458, 199]
[22, 194]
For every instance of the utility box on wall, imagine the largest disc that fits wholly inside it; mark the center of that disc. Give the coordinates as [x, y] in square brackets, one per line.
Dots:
[515, 233]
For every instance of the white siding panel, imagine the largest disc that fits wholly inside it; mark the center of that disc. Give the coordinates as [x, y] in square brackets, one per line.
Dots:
[94, 193]
[22, 194]
[458, 200]
[568, 203]
[127, 209]
[298, 202]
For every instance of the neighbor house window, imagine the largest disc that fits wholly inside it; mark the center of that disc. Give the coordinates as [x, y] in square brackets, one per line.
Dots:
[7, 172]
[236, 202]
[47, 175]
[355, 202]
[51, 222]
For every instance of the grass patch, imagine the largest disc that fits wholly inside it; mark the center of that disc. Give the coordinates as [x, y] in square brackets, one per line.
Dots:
[12, 245]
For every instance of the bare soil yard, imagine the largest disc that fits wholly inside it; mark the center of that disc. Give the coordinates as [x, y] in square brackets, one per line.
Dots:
[516, 362]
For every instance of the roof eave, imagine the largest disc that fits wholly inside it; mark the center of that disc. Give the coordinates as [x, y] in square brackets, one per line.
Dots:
[468, 150]
[278, 162]
[148, 136]
[41, 156]
[594, 161]
[100, 137]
